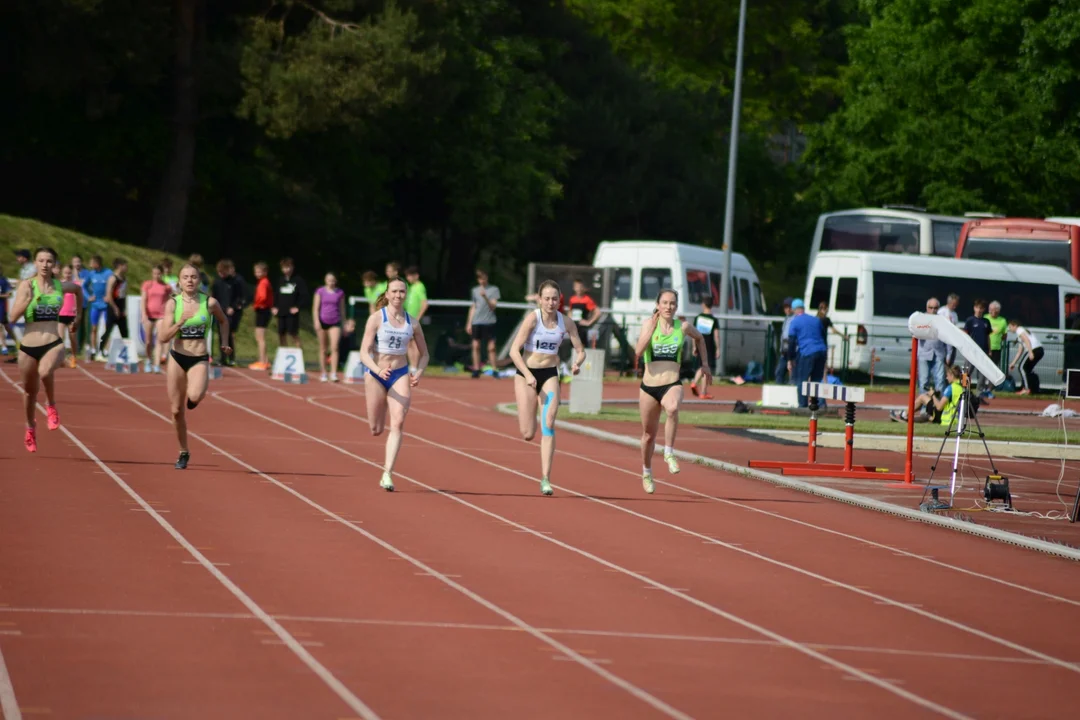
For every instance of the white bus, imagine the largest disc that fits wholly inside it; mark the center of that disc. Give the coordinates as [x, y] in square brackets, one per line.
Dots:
[871, 295]
[644, 267]
[892, 229]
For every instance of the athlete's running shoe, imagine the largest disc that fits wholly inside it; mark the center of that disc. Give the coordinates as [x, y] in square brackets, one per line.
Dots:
[672, 464]
[182, 461]
[646, 482]
[31, 440]
[387, 483]
[54, 417]
[545, 487]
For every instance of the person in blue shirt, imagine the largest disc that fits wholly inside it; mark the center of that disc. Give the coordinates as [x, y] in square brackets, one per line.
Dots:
[805, 334]
[96, 283]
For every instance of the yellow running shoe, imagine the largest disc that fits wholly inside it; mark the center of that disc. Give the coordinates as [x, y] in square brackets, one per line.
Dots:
[672, 464]
[646, 482]
[387, 483]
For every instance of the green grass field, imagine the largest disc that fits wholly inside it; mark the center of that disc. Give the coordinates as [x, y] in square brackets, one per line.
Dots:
[17, 233]
[777, 422]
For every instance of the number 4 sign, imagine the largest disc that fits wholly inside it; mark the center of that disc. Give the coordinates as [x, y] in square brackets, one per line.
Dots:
[289, 365]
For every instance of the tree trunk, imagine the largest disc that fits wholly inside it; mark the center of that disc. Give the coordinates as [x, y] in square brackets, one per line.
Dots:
[170, 213]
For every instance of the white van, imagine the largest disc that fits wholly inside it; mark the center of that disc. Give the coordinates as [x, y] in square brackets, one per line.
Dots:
[644, 267]
[871, 295]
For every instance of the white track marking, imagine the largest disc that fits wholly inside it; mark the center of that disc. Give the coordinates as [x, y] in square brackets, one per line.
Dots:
[915, 609]
[585, 662]
[436, 625]
[353, 702]
[880, 599]
[9, 706]
[781, 639]
[733, 503]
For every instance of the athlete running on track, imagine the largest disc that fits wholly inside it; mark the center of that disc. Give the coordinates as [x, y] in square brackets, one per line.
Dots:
[661, 347]
[542, 333]
[39, 300]
[186, 318]
[388, 383]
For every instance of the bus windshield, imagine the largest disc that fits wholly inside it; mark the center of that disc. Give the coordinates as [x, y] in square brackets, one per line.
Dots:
[1037, 252]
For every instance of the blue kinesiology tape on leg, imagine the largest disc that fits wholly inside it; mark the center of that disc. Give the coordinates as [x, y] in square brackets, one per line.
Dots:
[545, 429]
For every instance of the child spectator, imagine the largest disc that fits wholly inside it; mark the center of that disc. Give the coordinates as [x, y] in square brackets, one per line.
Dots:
[978, 328]
[938, 407]
[481, 321]
[116, 299]
[707, 325]
[1030, 346]
[291, 296]
[95, 285]
[584, 312]
[264, 303]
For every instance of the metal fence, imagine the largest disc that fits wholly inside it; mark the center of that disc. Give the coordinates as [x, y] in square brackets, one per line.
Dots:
[863, 353]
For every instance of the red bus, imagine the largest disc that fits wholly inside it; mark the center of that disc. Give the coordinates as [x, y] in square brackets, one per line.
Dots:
[1023, 240]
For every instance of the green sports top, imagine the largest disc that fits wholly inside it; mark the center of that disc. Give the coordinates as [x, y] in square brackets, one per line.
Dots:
[194, 328]
[666, 347]
[44, 307]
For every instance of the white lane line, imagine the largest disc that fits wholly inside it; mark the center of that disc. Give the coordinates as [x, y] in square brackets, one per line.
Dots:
[760, 511]
[353, 702]
[625, 685]
[879, 599]
[9, 706]
[783, 640]
[435, 625]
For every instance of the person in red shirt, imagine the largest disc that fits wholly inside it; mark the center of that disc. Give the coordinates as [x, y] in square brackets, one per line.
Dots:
[155, 293]
[264, 303]
[584, 312]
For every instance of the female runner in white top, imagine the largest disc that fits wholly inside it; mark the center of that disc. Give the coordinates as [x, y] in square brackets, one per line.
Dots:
[542, 335]
[388, 384]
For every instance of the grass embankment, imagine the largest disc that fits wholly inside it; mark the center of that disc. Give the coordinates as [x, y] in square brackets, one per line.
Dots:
[17, 233]
[1003, 433]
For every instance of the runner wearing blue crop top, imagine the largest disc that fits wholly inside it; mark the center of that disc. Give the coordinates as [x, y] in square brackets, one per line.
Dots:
[186, 319]
[541, 335]
[388, 333]
[38, 300]
[660, 346]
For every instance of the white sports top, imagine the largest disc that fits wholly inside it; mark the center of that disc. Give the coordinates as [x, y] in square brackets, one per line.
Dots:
[1031, 337]
[544, 340]
[391, 340]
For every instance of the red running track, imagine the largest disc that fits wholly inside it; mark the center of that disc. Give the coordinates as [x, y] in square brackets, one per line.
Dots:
[274, 578]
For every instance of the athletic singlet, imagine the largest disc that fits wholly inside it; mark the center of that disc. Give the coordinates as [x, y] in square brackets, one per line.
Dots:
[392, 340]
[543, 339]
[666, 347]
[194, 328]
[44, 307]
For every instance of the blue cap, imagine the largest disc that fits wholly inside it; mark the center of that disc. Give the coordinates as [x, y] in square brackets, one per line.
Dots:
[797, 303]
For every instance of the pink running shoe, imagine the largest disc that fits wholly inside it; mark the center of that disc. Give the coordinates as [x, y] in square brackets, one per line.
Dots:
[54, 417]
[31, 440]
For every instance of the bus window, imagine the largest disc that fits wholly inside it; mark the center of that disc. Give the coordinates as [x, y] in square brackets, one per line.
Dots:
[897, 295]
[653, 280]
[846, 293]
[624, 284]
[715, 279]
[744, 290]
[946, 234]
[697, 286]
[820, 292]
[870, 233]
[1036, 252]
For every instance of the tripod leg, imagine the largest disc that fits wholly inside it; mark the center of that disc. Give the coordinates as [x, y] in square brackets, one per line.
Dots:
[959, 417]
[982, 436]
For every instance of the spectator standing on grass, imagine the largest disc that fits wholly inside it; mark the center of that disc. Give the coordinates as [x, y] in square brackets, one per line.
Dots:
[584, 312]
[371, 292]
[999, 329]
[196, 261]
[264, 305]
[5, 324]
[978, 328]
[480, 325]
[949, 311]
[393, 270]
[116, 299]
[327, 312]
[230, 290]
[173, 281]
[797, 309]
[931, 356]
[709, 328]
[416, 305]
[79, 274]
[1030, 346]
[155, 293]
[291, 297]
[809, 349]
[96, 281]
[27, 269]
[782, 358]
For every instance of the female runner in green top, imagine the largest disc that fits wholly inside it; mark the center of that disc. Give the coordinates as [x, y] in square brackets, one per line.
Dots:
[186, 319]
[38, 300]
[660, 345]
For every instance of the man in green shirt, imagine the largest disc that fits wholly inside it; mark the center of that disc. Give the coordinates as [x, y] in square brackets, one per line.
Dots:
[416, 305]
[371, 289]
[999, 330]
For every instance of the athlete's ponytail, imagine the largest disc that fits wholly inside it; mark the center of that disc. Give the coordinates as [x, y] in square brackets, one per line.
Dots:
[381, 302]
